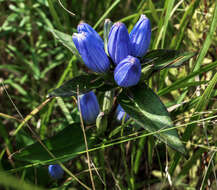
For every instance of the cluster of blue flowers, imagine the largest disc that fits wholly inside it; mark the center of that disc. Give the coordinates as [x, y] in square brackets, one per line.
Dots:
[124, 50]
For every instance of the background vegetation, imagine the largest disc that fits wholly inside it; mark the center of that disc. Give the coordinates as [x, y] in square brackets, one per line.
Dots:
[33, 62]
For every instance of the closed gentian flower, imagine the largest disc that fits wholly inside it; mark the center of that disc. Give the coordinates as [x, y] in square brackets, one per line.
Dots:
[127, 73]
[92, 51]
[120, 113]
[55, 171]
[118, 42]
[89, 107]
[84, 27]
[140, 36]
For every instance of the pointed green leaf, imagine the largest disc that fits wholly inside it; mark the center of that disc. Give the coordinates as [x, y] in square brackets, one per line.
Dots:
[66, 144]
[145, 107]
[66, 40]
[84, 82]
[162, 58]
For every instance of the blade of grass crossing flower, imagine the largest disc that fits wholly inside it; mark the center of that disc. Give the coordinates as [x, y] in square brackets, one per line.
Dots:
[208, 40]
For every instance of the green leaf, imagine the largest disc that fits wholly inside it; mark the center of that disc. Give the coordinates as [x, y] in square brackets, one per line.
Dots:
[66, 40]
[145, 107]
[162, 58]
[68, 143]
[84, 82]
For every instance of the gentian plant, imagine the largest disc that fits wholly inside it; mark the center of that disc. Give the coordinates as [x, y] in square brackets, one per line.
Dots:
[116, 84]
[119, 70]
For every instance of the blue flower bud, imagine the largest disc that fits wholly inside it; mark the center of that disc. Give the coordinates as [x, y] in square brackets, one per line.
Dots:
[91, 51]
[84, 27]
[89, 107]
[118, 42]
[55, 171]
[140, 36]
[127, 73]
[120, 113]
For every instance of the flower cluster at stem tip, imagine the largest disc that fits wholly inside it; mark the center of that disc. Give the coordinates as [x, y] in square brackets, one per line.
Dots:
[125, 51]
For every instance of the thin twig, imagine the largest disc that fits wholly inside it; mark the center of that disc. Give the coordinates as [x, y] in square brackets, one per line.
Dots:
[73, 14]
[9, 117]
[85, 141]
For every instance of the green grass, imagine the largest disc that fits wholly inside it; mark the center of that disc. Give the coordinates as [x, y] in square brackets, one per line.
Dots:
[33, 62]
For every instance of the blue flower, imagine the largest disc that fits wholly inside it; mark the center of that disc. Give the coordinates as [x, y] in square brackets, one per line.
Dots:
[92, 51]
[120, 113]
[118, 42]
[140, 36]
[55, 171]
[89, 107]
[127, 73]
[84, 27]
